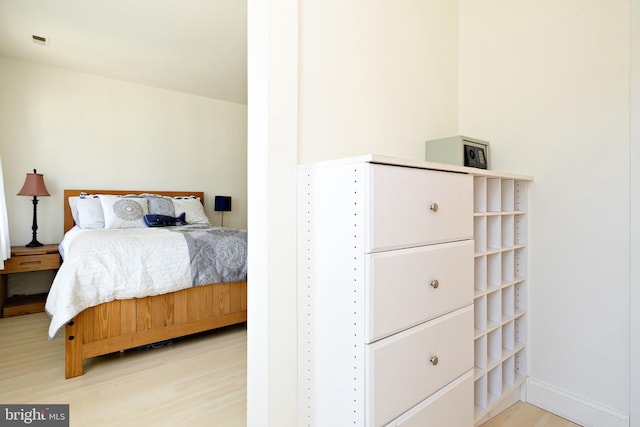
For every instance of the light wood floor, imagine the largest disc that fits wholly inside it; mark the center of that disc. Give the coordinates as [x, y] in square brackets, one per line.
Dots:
[525, 415]
[196, 381]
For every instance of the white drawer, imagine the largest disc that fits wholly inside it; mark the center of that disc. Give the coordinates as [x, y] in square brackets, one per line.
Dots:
[402, 291]
[450, 406]
[400, 212]
[400, 368]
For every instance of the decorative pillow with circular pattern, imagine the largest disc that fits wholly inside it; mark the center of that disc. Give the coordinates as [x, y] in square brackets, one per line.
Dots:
[124, 212]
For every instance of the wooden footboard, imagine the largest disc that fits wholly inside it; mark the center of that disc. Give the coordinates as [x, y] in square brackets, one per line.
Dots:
[124, 324]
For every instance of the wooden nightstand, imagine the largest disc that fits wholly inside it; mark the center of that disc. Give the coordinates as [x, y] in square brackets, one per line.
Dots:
[24, 260]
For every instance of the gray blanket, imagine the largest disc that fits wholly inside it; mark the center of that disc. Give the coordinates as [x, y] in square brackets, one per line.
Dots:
[217, 254]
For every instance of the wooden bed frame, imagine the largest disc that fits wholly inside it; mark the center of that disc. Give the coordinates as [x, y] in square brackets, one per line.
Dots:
[123, 324]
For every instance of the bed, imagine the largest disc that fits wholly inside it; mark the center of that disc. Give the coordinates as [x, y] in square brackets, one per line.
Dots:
[122, 324]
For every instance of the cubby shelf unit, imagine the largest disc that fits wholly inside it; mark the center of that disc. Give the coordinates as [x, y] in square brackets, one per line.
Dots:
[500, 299]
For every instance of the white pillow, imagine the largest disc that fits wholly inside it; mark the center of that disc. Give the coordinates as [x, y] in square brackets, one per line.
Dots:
[89, 212]
[124, 212]
[193, 209]
[73, 205]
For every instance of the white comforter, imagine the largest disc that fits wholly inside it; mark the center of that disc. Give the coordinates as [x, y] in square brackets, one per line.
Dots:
[98, 268]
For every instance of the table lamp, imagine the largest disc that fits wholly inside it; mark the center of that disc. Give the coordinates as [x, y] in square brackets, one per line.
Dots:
[34, 186]
[222, 204]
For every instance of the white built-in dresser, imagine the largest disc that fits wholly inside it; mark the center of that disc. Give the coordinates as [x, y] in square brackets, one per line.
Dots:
[412, 292]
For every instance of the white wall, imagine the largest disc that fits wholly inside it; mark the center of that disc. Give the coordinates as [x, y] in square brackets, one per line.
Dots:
[376, 77]
[348, 103]
[547, 83]
[272, 325]
[634, 297]
[84, 131]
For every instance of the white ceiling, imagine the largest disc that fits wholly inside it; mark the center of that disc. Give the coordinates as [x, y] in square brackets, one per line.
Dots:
[193, 46]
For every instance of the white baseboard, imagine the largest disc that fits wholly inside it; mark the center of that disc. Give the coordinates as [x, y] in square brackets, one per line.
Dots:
[574, 408]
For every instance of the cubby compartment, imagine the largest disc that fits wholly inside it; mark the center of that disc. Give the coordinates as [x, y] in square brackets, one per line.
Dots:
[494, 270]
[494, 203]
[494, 380]
[520, 331]
[494, 348]
[520, 263]
[480, 354]
[508, 302]
[480, 274]
[520, 297]
[494, 232]
[480, 314]
[479, 194]
[494, 308]
[520, 195]
[508, 336]
[508, 273]
[507, 195]
[520, 360]
[481, 398]
[480, 233]
[519, 229]
[508, 373]
[508, 231]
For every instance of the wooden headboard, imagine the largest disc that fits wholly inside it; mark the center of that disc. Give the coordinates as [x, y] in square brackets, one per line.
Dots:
[68, 218]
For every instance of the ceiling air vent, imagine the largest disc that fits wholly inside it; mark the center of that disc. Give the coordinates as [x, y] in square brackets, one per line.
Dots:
[41, 40]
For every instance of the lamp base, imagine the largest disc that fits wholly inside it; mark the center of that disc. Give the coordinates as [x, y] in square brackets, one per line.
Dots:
[33, 244]
[34, 228]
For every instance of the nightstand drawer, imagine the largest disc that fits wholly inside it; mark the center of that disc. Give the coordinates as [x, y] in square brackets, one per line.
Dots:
[21, 264]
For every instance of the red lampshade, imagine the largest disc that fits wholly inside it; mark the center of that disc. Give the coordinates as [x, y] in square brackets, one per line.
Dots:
[34, 185]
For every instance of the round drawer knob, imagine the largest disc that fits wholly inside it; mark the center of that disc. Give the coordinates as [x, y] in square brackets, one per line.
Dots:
[433, 360]
[433, 207]
[434, 283]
